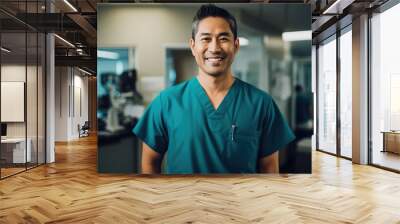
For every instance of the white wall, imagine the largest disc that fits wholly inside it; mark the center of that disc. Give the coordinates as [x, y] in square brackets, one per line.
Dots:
[12, 73]
[124, 26]
[79, 117]
[170, 26]
[33, 126]
[67, 115]
[61, 103]
[122, 19]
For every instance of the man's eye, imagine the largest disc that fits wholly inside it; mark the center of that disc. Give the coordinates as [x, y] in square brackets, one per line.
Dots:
[224, 39]
[205, 39]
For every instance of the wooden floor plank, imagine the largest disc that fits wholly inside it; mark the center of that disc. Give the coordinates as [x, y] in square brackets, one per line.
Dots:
[71, 191]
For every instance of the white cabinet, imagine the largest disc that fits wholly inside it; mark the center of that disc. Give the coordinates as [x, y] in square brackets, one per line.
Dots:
[18, 149]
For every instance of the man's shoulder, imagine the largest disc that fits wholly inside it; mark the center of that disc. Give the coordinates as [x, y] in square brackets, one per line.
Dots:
[176, 90]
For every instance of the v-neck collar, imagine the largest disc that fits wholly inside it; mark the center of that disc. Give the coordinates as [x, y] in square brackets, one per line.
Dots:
[206, 102]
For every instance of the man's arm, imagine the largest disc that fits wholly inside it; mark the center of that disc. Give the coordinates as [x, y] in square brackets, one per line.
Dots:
[269, 164]
[151, 160]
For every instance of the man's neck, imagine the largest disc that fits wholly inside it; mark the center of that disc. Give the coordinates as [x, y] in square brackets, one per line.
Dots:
[216, 85]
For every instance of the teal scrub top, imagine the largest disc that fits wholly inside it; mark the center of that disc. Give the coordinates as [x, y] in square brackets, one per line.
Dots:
[182, 122]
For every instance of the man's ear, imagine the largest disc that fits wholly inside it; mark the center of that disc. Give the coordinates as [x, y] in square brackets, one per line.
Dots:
[191, 44]
[237, 45]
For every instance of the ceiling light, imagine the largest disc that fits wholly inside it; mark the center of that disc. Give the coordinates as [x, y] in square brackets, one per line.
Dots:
[273, 42]
[243, 41]
[297, 35]
[84, 71]
[333, 6]
[5, 49]
[70, 5]
[338, 6]
[107, 55]
[64, 40]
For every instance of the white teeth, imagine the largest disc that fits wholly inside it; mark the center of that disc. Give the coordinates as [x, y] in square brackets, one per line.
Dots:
[214, 59]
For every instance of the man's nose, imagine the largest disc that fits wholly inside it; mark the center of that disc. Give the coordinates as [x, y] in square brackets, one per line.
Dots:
[214, 46]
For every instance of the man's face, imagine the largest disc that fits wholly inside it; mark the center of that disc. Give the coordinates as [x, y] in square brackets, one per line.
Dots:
[214, 46]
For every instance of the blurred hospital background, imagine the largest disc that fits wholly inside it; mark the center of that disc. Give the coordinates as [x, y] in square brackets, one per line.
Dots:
[137, 60]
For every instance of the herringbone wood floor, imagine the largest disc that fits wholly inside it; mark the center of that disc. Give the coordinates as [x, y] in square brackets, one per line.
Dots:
[71, 191]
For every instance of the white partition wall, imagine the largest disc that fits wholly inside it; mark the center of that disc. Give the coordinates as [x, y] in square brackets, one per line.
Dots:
[71, 102]
[327, 96]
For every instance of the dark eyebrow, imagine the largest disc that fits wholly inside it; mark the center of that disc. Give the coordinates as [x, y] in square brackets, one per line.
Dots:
[220, 34]
[205, 34]
[224, 34]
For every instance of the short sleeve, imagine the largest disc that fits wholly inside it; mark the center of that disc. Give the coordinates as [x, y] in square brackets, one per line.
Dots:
[276, 132]
[151, 128]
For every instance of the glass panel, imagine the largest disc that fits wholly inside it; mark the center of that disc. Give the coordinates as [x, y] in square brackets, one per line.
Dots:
[41, 98]
[13, 86]
[23, 85]
[385, 84]
[346, 94]
[31, 97]
[327, 96]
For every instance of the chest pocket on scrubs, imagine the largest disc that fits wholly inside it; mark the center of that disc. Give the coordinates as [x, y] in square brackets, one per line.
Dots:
[243, 149]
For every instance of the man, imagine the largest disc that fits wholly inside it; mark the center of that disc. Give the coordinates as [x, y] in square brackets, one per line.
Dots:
[213, 123]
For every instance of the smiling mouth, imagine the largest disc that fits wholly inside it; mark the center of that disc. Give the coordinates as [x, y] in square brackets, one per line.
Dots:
[214, 59]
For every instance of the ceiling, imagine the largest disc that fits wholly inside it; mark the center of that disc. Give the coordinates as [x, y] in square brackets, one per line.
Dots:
[76, 25]
[328, 16]
[77, 22]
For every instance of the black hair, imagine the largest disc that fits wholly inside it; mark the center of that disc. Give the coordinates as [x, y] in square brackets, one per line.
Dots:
[298, 88]
[211, 10]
